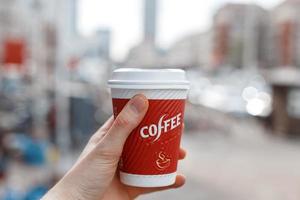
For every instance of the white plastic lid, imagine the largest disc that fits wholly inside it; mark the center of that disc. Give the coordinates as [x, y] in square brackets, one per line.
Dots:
[135, 78]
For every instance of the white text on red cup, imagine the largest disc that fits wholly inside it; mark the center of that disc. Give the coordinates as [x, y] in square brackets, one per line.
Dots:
[163, 126]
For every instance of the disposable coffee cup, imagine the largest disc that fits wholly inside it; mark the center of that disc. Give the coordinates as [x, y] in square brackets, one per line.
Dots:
[150, 154]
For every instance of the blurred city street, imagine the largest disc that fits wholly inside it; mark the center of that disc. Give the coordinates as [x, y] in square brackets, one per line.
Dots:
[242, 61]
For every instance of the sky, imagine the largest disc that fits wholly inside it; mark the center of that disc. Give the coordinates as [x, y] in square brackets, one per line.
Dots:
[176, 19]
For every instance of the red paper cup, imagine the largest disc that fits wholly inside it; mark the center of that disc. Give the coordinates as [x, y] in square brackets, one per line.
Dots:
[150, 154]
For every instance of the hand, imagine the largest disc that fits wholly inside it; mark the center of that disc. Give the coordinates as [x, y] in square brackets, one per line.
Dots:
[94, 176]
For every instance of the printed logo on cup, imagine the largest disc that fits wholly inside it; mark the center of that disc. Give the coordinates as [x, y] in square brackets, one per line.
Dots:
[162, 127]
[163, 162]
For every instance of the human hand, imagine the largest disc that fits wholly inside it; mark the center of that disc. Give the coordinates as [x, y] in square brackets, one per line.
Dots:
[94, 176]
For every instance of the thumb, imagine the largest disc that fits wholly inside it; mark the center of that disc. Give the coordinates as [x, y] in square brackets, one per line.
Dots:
[128, 119]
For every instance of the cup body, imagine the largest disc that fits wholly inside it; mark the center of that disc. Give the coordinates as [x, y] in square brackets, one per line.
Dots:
[150, 154]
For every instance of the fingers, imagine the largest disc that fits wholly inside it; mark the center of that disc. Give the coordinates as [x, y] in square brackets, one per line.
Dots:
[129, 118]
[182, 154]
[179, 182]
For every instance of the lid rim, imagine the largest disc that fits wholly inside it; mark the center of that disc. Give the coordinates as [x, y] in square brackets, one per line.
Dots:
[113, 82]
[148, 78]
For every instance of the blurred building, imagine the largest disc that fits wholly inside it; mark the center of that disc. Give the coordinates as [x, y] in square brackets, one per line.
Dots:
[104, 43]
[73, 6]
[150, 15]
[286, 33]
[191, 51]
[95, 46]
[146, 53]
[241, 36]
[27, 33]
[47, 70]
[28, 44]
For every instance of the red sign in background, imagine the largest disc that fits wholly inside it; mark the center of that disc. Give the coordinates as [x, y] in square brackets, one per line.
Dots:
[14, 52]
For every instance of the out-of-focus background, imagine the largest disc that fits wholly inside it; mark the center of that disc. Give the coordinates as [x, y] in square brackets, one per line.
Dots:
[242, 114]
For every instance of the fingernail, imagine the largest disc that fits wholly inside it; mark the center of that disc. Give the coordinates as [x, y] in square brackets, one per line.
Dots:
[138, 103]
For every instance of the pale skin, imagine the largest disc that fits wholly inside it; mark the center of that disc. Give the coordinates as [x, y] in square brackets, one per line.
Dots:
[94, 176]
